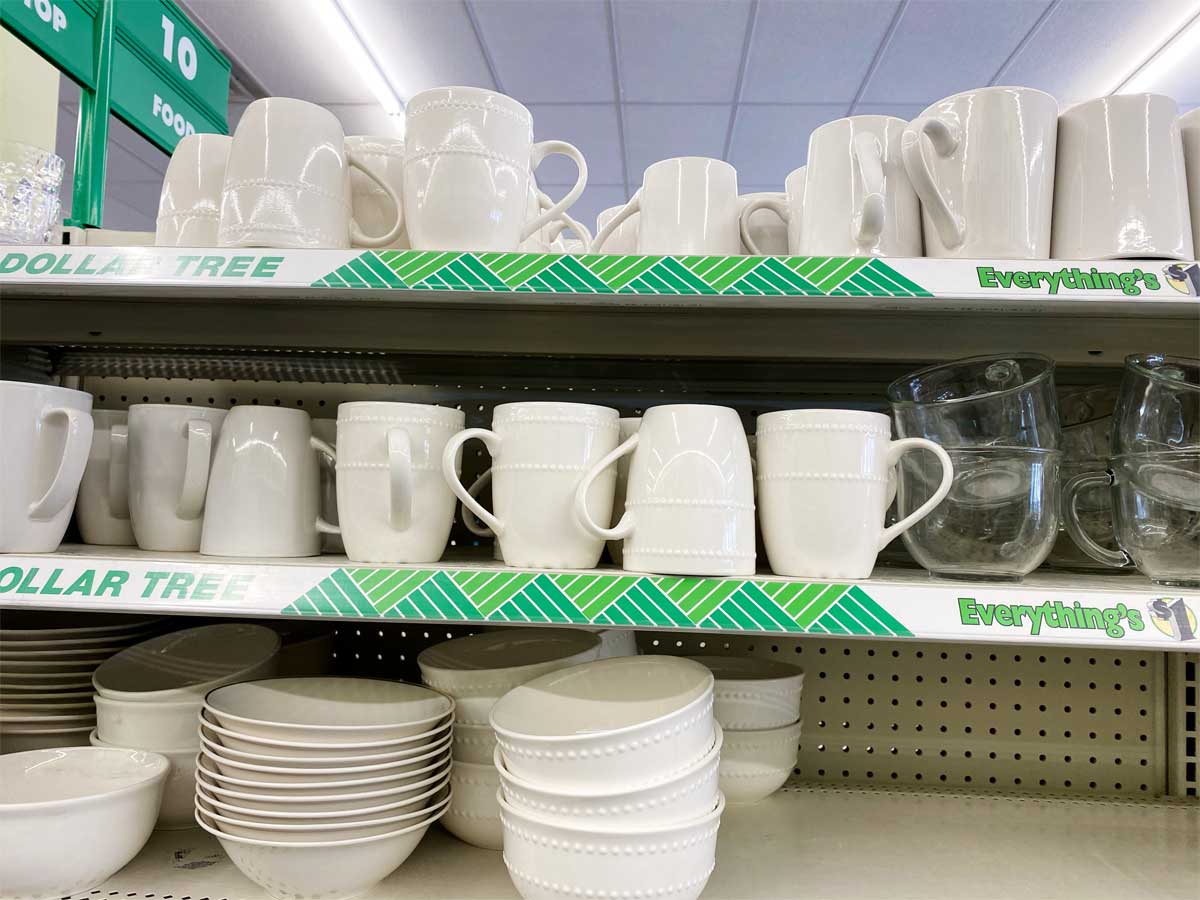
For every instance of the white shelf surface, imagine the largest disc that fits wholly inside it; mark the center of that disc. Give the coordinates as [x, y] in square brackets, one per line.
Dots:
[812, 842]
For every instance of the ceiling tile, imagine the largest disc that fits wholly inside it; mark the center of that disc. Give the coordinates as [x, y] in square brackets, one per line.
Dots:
[675, 51]
[941, 47]
[593, 129]
[813, 52]
[771, 141]
[549, 52]
[1086, 47]
[661, 131]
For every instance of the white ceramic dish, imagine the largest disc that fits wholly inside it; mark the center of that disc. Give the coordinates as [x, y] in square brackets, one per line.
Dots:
[688, 794]
[411, 745]
[76, 720]
[9, 696]
[13, 740]
[71, 817]
[62, 654]
[319, 870]
[308, 762]
[632, 720]
[46, 708]
[175, 810]
[319, 805]
[84, 665]
[161, 723]
[46, 681]
[327, 710]
[473, 815]
[474, 743]
[545, 862]
[271, 774]
[52, 641]
[755, 764]
[753, 693]
[617, 642]
[320, 788]
[281, 817]
[494, 662]
[41, 625]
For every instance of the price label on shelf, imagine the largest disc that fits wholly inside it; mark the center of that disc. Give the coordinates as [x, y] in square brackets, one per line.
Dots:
[60, 30]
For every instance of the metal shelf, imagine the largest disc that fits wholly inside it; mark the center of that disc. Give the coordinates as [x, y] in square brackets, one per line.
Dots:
[1048, 608]
[812, 842]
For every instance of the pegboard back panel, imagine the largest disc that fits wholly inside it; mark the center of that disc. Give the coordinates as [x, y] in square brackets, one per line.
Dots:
[1183, 713]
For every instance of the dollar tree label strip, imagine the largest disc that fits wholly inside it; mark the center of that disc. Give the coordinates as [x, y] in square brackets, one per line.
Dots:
[912, 606]
[604, 274]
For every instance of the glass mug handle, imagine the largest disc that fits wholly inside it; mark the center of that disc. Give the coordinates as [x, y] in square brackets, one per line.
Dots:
[897, 450]
[625, 527]
[1117, 559]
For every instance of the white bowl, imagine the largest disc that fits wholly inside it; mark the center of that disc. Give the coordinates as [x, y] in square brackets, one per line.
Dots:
[43, 625]
[474, 813]
[19, 740]
[494, 662]
[752, 693]
[319, 870]
[474, 710]
[327, 710]
[688, 794]
[176, 808]
[616, 642]
[330, 787]
[339, 816]
[550, 861]
[628, 721]
[295, 833]
[474, 743]
[157, 723]
[268, 800]
[755, 764]
[71, 817]
[274, 760]
[412, 745]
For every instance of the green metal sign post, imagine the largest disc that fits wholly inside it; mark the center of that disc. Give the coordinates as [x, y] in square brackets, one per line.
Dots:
[143, 60]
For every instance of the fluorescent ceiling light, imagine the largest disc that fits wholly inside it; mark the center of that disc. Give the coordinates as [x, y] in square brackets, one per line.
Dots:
[337, 25]
[1159, 69]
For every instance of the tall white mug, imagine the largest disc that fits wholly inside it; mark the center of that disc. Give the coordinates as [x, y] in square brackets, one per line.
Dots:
[45, 435]
[372, 206]
[1121, 191]
[1189, 129]
[469, 159]
[982, 164]
[326, 430]
[689, 501]
[765, 232]
[170, 451]
[540, 452]
[189, 206]
[624, 238]
[825, 481]
[264, 496]
[102, 507]
[287, 182]
[688, 205]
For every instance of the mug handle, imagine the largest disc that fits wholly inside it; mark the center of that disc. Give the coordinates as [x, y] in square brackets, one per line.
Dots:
[869, 222]
[195, 470]
[357, 238]
[469, 520]
[70, 468]
[1117, 559]
[328, 458]
[492, 441]
[897, 450]
[564, 222]
[399, 447]
[625, 527]
[118, 472]
[945, 139]
[633, 206]
[774, 204]
[538, 153]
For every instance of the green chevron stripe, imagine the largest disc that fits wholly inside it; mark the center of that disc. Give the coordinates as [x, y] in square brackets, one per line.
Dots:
[817, 607]
[886, 620]
[774, 277]
[853, 287]
[334, 598]
[720, 272]
[853, 610]
[379, 268]
[397, 587]
[612, 616]
[879, 267]
[496, 592]
[800, 597]
[414, 268]
[697, 597]
[339, 581]
[769, 616]
[464, 273]
[442, 589]
[836, 270]
[618, 271]
[602, 592]
[515, 268]
[552, 601]
[647, 595]
[331, 280]
[568, 275]
[829, 625]
[367, 274]
[667, 276]
[874, 286]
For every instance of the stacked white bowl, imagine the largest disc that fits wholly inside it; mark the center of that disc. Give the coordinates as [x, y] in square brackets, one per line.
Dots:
[46, 665]
[148, 697]
[757, 703]
[608, 775]
[318, 788]
[477, 671]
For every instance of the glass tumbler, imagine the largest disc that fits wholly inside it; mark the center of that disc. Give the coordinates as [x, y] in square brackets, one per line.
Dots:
[30, 179]
[1158, 407]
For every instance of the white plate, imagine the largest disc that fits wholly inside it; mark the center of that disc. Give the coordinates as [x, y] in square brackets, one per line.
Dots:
[406, 746]
[42, 625]
[494, 662]
[410, 769]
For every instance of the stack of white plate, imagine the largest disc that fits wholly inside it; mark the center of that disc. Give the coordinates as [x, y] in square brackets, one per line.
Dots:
[46, 665]
[609, 780]
[320, 787]
[477, 671]
[148, 697]
[757, 703]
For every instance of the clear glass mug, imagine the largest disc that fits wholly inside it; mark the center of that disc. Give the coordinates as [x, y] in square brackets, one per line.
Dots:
[30, 179]
[1158, 407]
[1156, 512]
[1095, 516]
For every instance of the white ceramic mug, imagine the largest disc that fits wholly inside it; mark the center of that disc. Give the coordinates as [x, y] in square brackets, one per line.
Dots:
[469, 159]
[326, 430]
[1120, 191]
[689, 503]
[45, 436]
[471, 521]
[825, 480]
[1189, 129]
[623, 239]
[788, 207]
[370, 204]
[170, 452]
[264, 495]
[394, 505]
[548, 239]
[688, 205]
[765, 231]
[189, 206]
[287, 182]
[982, 164]
[540, 452]
[627, 427]
[102, 507]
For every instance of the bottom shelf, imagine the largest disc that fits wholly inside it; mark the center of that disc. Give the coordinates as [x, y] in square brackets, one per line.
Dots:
[808, 841]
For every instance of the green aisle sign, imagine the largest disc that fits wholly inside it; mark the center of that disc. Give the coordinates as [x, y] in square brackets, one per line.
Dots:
[61, 31]
[154, 107]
